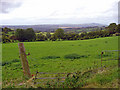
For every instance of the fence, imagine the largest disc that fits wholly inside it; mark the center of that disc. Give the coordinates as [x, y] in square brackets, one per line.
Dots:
[109, 57]
[43, 77]
[63, 80]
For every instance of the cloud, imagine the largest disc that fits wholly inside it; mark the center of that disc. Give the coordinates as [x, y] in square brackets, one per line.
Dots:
[59, 11]
[119, 12]
[7, 6]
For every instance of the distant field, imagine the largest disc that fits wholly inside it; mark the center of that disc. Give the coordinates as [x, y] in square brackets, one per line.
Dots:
[50, 56]
[89, 29]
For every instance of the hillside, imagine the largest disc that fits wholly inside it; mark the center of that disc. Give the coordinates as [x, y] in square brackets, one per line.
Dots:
[53, 27]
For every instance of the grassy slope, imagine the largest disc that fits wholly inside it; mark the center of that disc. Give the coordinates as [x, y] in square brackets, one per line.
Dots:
[92, 48]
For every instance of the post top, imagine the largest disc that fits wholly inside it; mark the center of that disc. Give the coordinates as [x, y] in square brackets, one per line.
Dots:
[20, 43]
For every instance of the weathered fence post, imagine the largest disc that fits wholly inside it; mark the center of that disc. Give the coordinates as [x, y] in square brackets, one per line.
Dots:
[24, 60]
[101, 58]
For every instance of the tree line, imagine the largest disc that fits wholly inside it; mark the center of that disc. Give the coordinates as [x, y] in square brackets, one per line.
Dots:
[28, 35]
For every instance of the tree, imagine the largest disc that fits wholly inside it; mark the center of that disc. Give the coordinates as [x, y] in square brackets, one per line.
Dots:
[83, 34]
[20, 35]
[112, 27]
[30, 34]
[48, 35]
[117, 28]
[41, 37]
[5, 38]
[53, 37]
[59, 33]
[6, 30]
[12, 38]
[25, 35]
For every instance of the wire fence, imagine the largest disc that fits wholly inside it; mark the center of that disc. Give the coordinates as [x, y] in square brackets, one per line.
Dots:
[108, 58]
[44, 77]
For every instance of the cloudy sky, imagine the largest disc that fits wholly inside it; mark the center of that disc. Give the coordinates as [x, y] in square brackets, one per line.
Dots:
[27, 12]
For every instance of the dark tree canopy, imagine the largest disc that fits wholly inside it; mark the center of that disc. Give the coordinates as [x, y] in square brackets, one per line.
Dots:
[30, 34]
[118, 28]
[112, 28]
[20, 34]
[25, 35]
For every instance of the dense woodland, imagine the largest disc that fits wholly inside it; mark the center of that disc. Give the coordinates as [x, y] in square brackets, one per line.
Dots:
[28, 35]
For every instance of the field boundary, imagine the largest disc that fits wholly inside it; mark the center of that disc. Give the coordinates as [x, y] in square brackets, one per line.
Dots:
[102, 53]
[58, 76]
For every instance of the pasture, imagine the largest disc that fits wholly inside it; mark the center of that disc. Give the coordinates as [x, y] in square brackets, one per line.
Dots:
[59, 57]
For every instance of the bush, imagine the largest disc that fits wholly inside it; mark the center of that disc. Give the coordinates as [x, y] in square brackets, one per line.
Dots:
[117, 34]
[50, 57]
[74, 56]
[15, 60]
[5, 63]
[9, 62]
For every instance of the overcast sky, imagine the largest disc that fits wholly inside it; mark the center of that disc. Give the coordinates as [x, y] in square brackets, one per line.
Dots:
[17, 12]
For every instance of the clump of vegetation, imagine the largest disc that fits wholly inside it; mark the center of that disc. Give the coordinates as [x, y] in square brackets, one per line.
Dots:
[9, 62]
[74, 56]
[15, 60]
[5, 63]
[50, 57]
[106, 41]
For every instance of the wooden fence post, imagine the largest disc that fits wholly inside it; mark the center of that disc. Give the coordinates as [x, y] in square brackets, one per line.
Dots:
[24, 60]
[101, 58]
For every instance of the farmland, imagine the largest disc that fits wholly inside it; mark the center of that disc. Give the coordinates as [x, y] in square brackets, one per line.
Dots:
[56, 57]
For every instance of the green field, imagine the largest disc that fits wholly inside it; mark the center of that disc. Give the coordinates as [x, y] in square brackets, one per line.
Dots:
[56, 57]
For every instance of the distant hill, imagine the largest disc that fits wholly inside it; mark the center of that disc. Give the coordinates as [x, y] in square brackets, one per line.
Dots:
[53, 27]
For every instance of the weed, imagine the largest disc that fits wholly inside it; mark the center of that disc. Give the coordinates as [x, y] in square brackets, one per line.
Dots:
[74, 56]
[6, 63]
[15, 60]
[106, 41]
[9, 62]
[50, 57]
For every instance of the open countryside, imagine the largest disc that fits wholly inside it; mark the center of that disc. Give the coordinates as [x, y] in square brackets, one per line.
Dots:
[62, 52]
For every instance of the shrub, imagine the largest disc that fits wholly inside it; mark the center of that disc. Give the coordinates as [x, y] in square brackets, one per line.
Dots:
[15, 60]
[74, 56]
[9, 62]
[117, 34]
[50, 57]
[5, 63]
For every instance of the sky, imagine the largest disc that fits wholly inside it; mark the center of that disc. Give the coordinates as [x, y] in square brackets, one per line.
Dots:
[34, 12]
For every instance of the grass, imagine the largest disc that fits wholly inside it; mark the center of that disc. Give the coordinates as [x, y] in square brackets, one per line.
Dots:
[74, 56]
[58, 56]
